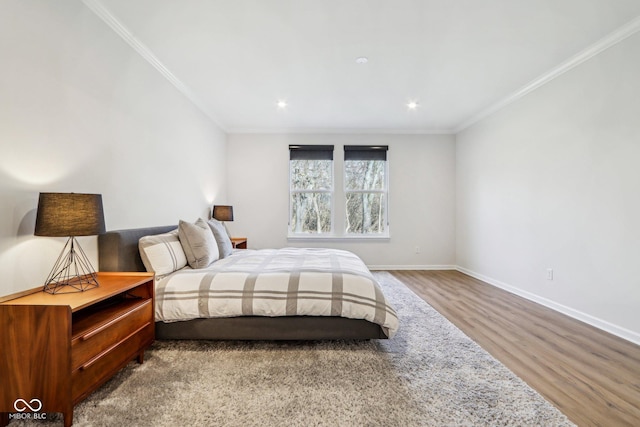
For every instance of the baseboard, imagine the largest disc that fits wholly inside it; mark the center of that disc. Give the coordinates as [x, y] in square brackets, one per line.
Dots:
[412, 267]
[616, 330]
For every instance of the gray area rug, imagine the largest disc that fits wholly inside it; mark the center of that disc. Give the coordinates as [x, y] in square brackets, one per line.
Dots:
[429, 374]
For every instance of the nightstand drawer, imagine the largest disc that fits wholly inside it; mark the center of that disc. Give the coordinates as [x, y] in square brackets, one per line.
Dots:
[101, 367]
[114, 327]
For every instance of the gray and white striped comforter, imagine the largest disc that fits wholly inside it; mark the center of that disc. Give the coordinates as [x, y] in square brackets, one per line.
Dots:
[276, 282]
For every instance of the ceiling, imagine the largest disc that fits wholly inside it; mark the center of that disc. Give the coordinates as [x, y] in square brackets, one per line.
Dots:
[459, 59]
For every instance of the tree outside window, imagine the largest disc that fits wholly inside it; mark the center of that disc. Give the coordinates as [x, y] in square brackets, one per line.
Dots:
[311, 189]
[365, 181]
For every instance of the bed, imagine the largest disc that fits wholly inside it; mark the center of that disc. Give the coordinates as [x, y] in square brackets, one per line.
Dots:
[180, 317]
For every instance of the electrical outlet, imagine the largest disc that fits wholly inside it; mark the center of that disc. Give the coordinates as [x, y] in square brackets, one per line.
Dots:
[417, 249]
[549, 274]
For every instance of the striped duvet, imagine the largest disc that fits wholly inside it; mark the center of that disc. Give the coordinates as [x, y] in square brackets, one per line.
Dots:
[276, 282]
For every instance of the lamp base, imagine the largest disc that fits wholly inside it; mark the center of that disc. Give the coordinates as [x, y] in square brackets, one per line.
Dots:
[72, 272]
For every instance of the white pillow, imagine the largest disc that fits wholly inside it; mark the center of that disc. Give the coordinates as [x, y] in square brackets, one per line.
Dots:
[198, 243]
[162, 253]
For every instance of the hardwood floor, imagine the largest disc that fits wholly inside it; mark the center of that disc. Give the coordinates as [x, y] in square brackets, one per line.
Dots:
[593, 377]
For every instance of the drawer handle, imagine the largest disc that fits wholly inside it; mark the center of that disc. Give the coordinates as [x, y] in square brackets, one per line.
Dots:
[95, 358]
[111, 322]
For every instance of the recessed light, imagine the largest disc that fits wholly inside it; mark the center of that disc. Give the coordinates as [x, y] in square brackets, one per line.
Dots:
[282, 104]
[362, 60]
[413, 105]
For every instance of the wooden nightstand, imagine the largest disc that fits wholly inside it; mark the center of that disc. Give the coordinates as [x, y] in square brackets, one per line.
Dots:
[57, 349]
[239, 242]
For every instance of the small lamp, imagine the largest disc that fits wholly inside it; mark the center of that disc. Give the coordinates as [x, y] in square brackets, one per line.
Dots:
[70, 215]
[223, 213]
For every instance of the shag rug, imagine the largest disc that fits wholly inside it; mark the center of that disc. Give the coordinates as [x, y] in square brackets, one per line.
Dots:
[429, 374]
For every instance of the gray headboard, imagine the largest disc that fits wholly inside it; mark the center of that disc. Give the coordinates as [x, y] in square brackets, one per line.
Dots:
[118, 249]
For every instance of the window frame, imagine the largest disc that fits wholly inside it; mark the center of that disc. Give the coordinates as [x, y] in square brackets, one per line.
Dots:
[312, 152]
[338, 203]
[367, 152]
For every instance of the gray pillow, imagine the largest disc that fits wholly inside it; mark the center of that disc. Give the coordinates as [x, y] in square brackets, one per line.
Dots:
[198, 243]
[225, 248]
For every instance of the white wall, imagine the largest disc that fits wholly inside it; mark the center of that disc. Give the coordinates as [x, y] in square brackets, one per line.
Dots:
[421, 197]
[549, 182]
[80, 111]
[553, 181]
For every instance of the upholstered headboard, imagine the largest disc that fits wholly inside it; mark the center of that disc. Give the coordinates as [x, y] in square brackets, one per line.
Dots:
[118, 249]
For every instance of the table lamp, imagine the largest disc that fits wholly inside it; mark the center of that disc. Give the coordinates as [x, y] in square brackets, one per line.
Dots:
[70, 215]
[223, 213]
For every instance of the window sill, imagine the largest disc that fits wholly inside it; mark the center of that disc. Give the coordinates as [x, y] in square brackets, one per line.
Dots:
[336, 238]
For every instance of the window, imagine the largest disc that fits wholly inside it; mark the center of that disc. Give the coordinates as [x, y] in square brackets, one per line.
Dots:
[365, 187]
[310, 189]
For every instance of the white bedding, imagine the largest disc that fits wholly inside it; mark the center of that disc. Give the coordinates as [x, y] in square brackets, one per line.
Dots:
[276, 282]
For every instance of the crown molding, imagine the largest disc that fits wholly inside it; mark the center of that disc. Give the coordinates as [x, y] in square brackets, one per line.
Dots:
[603, 44]
[103, 13]
[347, 131]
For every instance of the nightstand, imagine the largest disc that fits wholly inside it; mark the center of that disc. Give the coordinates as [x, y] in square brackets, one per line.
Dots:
[239, 242]
[57, 349]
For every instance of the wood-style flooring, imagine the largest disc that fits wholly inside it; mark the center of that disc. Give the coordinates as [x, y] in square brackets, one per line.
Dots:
[592, 376]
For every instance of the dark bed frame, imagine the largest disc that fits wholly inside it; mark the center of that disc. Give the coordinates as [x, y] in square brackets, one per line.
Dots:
[118, 251]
